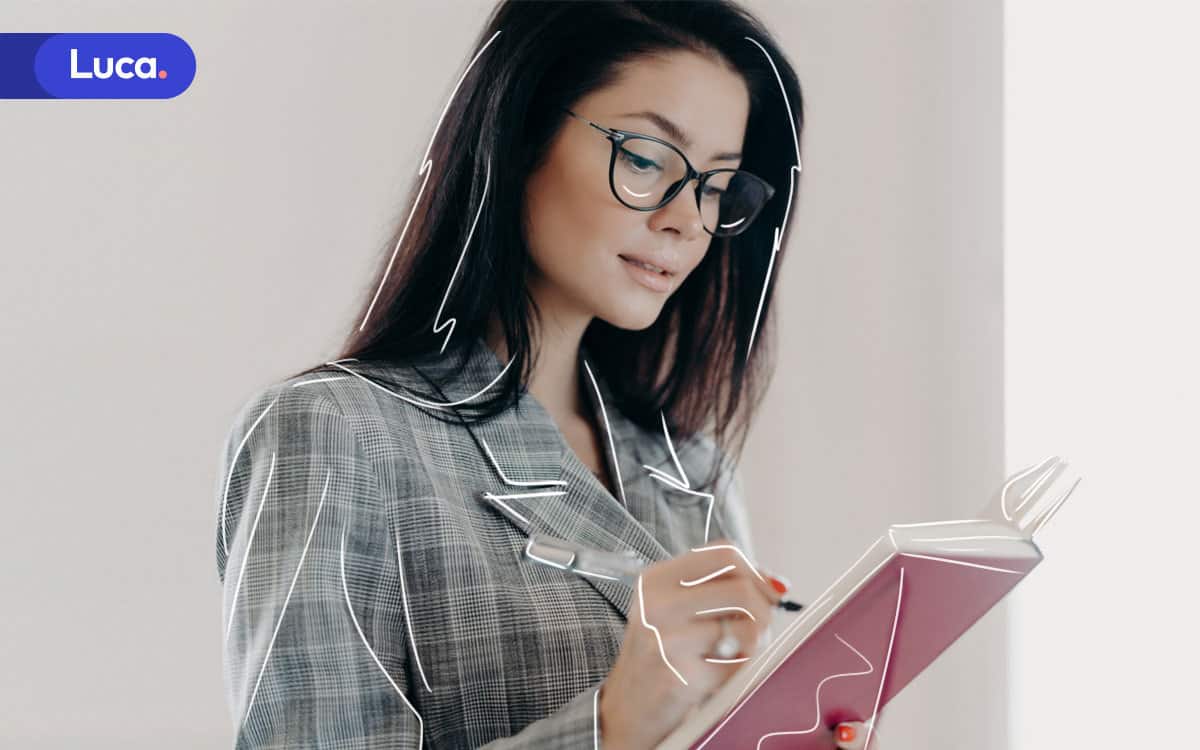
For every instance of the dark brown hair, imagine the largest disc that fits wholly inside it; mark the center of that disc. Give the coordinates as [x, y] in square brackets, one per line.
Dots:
[695, 363]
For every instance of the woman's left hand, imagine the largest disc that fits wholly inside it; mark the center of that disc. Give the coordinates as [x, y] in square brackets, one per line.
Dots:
[852, 735]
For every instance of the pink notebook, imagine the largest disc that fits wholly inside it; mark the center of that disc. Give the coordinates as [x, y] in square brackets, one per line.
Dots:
[906, 600]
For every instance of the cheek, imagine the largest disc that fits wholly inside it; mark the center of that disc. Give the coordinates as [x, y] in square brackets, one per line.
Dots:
[571, 224]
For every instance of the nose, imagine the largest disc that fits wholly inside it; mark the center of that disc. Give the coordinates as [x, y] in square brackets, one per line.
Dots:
[681, 213]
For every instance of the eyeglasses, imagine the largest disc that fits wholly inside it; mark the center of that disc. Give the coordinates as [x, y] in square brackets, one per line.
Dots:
[645, 173]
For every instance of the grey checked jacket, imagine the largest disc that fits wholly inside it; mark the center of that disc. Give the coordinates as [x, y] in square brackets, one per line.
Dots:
[372, 599]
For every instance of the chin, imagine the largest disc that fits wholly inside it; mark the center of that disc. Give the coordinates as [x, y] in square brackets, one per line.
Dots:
[634, 316]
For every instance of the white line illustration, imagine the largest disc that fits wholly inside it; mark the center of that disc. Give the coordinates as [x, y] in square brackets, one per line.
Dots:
[960, 562]
[708, 577]
[607, 429]
[817, 724]
[657, 635]
[682, 483]
[741, 554]
[421, 401]
[412, 637]
[451, 322]
[319, 380]
[792, 175]
[233, 465]
[286, 599]
[743, 610]
[426, 166]
[246, 557]
[371, 651]
[523, 483]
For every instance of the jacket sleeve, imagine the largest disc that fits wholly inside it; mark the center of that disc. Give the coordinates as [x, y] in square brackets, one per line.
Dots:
[315, 636]
[313, 626]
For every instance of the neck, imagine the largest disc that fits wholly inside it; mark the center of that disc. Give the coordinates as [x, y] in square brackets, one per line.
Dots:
[554, 379]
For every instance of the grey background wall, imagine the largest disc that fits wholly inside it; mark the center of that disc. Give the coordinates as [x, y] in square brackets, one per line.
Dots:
[163, 259]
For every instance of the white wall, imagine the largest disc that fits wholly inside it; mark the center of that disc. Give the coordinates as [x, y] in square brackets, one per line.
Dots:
[887, 406]
[1102, 367]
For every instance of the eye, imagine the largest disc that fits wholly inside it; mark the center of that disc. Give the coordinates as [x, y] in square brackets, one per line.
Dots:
[638, 163]
[709, 190]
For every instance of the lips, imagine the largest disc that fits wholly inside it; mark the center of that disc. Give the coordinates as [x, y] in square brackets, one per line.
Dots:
[648, 262]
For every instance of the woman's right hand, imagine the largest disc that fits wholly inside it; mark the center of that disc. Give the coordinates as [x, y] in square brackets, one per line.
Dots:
[665, 664]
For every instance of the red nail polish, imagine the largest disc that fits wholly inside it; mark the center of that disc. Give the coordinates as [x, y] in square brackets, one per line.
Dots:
[845, 733]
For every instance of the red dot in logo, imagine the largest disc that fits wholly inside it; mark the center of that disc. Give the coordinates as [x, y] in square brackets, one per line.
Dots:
[162, 74]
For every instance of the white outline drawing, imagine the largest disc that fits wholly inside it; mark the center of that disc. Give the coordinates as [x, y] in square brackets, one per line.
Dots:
[657, 635]
[521, 483]
[421, 401]
[426, 166]
[708, 577]
[817, 725]
[237, 588]
[793, 172]
[682, 483]
[319, 380]
[371, 651]
[616, 461]
[412, 637]
[731, 608]
[233, 465]
[451, 322]
[283, 610]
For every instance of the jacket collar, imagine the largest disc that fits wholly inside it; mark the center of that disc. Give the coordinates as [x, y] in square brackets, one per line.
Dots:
[536, 473]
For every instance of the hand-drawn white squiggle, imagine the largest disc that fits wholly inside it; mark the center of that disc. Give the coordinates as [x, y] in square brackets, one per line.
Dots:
[817, 724]
[886, 662]
[421, 401]
[657, 635]
[611, 445]
[708, 577]
[743, 610]
[237, 587]
[371, 651]
[523, 483]
[741, 554]
[682, 483]
[318, 380]
[412, 638]
[426, 166]
[734, 660]
[451, 322]
[506, 506]
[793, 171]
[960, 562]
[232, 465]
[286, 599]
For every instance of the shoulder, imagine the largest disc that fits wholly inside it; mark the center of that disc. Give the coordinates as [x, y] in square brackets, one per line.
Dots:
[352, 408]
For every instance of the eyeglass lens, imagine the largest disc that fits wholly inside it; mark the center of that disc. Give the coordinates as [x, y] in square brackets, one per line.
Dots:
[645, 171]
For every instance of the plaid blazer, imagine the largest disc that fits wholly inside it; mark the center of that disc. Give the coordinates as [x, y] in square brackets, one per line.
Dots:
[373, 600]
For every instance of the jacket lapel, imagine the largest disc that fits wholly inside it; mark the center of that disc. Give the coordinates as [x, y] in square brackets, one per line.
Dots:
[569, 502]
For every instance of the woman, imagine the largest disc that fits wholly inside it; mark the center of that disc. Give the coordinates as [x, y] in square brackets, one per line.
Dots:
[566, 335]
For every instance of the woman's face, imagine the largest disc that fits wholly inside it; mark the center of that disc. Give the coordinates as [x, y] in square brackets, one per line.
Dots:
[579, 234]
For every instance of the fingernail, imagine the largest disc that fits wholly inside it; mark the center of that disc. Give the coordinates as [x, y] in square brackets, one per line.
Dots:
[845, 733]
[778, 582]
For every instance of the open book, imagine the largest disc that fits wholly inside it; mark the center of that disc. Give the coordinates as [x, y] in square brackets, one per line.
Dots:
[905, 601]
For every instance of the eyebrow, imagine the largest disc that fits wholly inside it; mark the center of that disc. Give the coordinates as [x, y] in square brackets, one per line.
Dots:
[674, 132]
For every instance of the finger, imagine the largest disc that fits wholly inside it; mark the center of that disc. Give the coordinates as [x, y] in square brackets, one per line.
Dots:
[731, 597]
[721, 553]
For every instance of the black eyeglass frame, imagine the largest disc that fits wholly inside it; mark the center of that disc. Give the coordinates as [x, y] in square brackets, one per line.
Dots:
[618, 137]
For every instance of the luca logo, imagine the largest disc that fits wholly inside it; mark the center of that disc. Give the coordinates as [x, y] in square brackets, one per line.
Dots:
[97, 66]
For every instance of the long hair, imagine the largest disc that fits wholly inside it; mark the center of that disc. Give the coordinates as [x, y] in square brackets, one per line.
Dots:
[695, 364]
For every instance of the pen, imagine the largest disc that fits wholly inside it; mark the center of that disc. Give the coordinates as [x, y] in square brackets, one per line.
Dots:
[623, 567]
